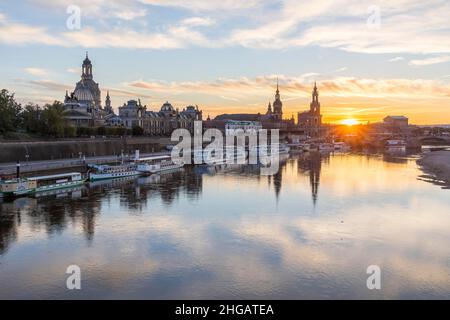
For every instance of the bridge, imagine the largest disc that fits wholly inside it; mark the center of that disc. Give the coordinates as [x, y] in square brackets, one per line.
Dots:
[433, 140]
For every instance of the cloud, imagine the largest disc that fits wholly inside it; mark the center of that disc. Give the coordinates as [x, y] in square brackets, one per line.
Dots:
[407, 26]
[21, 34]
[299, 87]
[198, 22]
[429, 61]
[99, 9]
[73, 70]
[36, 71]
[396, 59]
[341, 69]
[206, 5]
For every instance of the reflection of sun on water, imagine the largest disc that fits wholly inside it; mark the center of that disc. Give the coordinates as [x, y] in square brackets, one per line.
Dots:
[349, 122]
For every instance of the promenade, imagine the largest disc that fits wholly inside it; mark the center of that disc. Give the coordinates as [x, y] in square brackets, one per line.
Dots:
[7, 169]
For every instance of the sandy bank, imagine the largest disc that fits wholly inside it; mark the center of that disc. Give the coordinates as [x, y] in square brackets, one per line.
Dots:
[438, 163]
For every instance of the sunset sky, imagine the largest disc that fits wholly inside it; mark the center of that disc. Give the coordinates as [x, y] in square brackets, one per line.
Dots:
[369, 58]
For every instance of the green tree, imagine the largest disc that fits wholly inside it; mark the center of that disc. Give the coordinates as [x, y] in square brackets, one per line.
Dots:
[9, 112]
[137, 131]
[53, 120]
[101, 131]
[31, 118]
[70, 132]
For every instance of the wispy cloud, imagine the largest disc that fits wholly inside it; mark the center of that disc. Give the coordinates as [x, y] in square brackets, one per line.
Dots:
[36, 71]
[198, 22]
[263, 86]
[73, 70]
[99, 9]
[396, 59]
[429, 61]
[407, 26]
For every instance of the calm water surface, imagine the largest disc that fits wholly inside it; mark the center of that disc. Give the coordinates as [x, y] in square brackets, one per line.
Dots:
[310, 231]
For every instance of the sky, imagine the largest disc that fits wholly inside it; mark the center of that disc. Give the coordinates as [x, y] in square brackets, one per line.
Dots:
[369, 58]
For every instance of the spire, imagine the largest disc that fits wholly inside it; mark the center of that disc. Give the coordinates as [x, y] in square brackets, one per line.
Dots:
[277, 93]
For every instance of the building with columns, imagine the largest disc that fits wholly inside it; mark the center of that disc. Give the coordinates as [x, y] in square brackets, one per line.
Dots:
[162, 122]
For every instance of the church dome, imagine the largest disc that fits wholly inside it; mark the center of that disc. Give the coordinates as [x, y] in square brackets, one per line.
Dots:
[167, 107]
[83, 94]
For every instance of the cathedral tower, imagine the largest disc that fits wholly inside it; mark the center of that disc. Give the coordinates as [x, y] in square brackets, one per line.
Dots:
[277, 106]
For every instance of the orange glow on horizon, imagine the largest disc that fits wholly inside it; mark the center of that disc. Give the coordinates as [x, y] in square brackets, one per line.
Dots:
[349, 122]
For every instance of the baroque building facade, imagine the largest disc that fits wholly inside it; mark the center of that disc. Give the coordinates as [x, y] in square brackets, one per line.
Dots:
[162, 122]
[83, 109]
[83, 105]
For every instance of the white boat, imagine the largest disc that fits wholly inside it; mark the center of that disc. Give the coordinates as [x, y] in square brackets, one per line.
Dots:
[326, 147]
[395, 145]
[341, 146]
[272, 149]
[157, 164]
[24, 186]
[230, 154]
[100, 172]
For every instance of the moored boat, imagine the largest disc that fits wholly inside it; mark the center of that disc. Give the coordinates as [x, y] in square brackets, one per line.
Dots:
[157, 164]
[100, 172]
[395, 145]
[24, 186]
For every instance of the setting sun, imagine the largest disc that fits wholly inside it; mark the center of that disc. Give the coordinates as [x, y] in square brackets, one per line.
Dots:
[349, 122]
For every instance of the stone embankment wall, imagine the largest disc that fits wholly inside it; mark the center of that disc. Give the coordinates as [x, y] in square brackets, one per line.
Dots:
[66, 149]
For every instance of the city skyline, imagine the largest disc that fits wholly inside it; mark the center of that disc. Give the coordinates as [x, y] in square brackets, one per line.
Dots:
[208, 56]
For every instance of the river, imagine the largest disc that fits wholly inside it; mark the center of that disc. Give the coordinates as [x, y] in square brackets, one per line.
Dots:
[309, 231]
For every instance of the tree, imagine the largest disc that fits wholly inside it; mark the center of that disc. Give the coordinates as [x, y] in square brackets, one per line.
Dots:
[70, 132]
[52, 119]
[137, 131]
[31, 118]
[101, 131]
[9, 112]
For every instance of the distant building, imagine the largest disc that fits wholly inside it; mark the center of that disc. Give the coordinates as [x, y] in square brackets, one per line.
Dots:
[311, 121]
[396, 121]
[162, 122]
[272, 119]
[249, 127]
[83, 105]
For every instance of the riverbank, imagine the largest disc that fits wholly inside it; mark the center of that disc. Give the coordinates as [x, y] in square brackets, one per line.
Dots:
[75, 148]
[438, 163]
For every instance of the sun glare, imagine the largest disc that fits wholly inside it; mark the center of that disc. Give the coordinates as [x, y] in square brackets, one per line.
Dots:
[349, 122]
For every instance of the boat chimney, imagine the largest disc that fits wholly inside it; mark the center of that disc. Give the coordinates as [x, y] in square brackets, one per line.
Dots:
[17, 169]
[136, 154]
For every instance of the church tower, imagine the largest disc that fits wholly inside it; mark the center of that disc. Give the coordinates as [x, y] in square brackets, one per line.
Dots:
[269, 109]
[277, 106]
[87, 69]
[108, 107]
[315, 104]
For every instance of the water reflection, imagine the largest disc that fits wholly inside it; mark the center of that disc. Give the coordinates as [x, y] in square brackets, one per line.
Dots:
[309, 231]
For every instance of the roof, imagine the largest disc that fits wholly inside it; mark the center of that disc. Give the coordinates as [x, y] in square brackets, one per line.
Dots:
[396, 117]
[54, 176]
[153, 158]
[239, 117]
